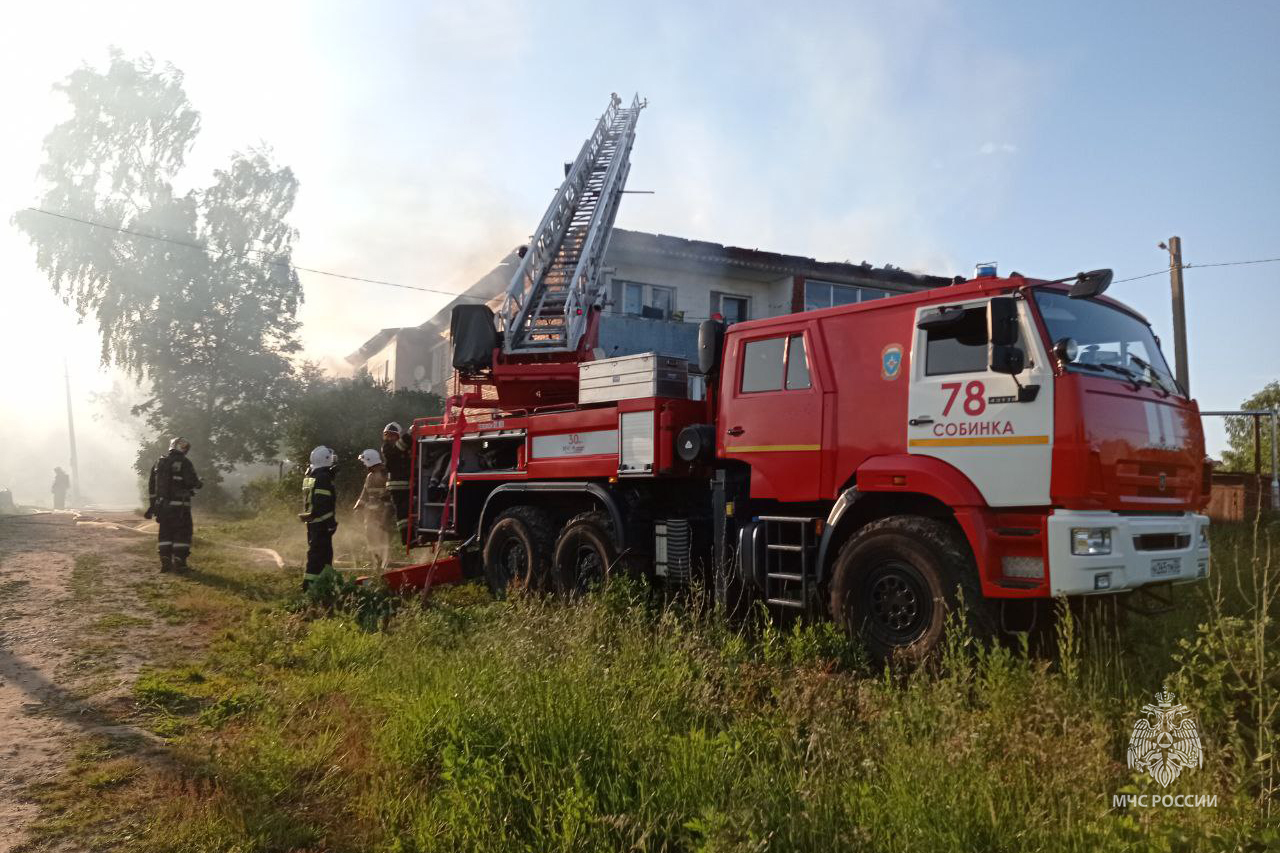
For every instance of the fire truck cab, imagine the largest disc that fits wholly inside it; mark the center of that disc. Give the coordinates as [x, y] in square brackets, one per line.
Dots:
[1000, 439]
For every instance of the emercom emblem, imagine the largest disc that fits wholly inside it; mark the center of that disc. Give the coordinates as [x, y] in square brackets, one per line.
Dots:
[1165, 741]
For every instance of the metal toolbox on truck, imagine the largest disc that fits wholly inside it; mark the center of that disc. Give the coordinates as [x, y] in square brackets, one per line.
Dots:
[631, 377]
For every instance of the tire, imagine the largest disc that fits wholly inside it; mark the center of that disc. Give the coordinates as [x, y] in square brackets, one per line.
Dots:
[518, 550]
[895, 582]
[586, 554]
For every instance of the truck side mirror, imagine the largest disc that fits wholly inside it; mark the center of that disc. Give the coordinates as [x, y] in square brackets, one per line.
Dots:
[1091, 283]
[1002, 319]
[1009, 359]
[710, 346]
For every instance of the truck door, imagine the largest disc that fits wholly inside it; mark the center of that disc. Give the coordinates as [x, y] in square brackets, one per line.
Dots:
[975, 419]
[771, 413]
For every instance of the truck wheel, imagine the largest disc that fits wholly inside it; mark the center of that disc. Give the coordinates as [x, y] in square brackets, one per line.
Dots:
[896, 580]
[518, 549]
[585, 555]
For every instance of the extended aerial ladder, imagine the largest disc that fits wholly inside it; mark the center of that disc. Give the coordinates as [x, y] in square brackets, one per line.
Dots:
[549, 303]
[546, 323]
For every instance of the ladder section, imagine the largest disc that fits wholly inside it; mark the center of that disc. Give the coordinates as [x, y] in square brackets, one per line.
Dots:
[790, 559]
[558, 280]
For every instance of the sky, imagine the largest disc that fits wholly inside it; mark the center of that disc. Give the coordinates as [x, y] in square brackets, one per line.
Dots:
[429, 137]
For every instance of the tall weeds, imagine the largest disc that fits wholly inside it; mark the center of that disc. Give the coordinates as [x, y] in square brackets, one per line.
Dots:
[616, 723]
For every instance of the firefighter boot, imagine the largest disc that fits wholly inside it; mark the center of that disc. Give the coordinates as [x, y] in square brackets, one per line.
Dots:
[180, 563]
[166, 563]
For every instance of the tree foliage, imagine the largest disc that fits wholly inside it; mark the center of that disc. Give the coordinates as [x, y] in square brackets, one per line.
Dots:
[347, 414]
[1239, 455]
[205, 317]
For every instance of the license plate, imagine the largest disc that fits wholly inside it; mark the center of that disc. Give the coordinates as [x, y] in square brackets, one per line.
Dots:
[1163, 568]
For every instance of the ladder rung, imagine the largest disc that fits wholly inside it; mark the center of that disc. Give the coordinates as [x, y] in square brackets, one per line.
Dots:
[785, 602]
[785, 576]
[774, 547]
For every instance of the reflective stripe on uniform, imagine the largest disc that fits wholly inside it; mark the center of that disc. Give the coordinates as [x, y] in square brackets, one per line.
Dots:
[402, 522]
[396, 485]
[321, 492]
[179, 503]
[310, 576]
[325, 517]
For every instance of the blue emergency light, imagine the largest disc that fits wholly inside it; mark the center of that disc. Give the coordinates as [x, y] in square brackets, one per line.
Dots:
[986, 269]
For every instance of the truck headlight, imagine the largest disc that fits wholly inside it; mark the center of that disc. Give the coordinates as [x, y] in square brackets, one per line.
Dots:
[1088, 541]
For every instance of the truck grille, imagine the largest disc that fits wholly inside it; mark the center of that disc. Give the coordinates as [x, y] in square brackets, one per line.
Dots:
[1161, 541]
[1160, 480]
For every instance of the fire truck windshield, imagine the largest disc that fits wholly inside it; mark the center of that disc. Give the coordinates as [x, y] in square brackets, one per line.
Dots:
[1107, 341]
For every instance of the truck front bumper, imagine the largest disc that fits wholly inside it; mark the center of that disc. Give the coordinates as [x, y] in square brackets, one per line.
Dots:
[1145, 549]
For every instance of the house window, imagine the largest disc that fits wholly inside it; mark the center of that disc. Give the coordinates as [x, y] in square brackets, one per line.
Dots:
[958, 348]
[648, 300]
[775, 363]
[827, 294]
[734, 308]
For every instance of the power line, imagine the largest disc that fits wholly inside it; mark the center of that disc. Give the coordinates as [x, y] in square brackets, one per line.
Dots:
[264, 256]
[1200, 266]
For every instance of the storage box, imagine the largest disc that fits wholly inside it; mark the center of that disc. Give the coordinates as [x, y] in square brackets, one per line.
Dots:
[631, 377]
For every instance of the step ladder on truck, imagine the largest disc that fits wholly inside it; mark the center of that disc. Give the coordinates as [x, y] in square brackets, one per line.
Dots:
[982, 446]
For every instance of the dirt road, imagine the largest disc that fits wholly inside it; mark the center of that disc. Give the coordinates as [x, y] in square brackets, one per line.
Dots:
[78, 619]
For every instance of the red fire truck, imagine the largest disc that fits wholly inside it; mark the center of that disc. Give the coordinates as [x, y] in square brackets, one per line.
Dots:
[1007, 437]
[1003, 439]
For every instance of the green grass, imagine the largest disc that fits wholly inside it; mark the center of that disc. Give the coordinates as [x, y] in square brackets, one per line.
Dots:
[616, 723]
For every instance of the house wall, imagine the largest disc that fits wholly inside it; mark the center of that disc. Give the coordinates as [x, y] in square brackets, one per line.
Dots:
[382, 364]
[422, 360]
[693, 289]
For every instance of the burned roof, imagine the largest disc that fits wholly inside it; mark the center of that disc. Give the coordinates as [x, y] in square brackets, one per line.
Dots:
[704, 251]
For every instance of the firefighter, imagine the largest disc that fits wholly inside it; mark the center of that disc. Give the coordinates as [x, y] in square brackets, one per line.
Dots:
[171, 486]
[318, 513]
[395, 455]
[375, 503]
[61, 483]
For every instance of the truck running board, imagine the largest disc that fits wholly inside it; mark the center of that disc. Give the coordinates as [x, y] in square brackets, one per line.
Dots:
[790, 561]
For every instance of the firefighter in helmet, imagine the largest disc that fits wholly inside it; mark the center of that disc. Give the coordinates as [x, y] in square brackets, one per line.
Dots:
[375, 503]
[395, 455]
[318, 513]
[171, 486]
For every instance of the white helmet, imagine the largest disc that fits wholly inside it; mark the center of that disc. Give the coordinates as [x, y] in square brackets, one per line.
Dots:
[323, 457]
[370, 458]
[180, 444]
[393, 427]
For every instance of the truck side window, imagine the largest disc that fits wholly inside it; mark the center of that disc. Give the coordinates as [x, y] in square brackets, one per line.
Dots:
[762, 365]
[797, 364]
[960, 347]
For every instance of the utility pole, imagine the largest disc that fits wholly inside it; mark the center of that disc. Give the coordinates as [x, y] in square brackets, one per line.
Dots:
[71, 433]
[1179, 313]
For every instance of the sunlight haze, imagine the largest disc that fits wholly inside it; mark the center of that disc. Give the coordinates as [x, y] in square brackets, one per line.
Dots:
[428, 139]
